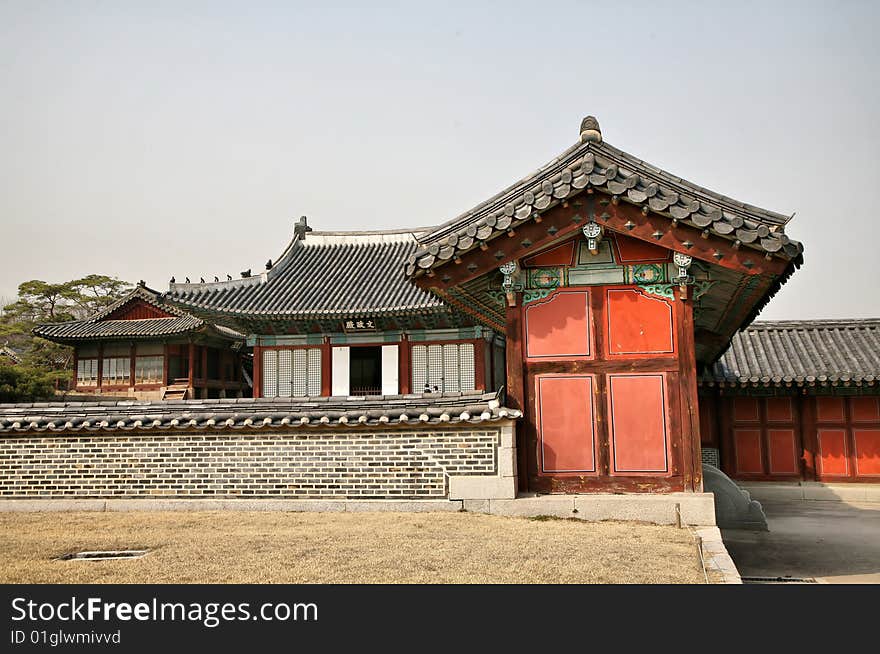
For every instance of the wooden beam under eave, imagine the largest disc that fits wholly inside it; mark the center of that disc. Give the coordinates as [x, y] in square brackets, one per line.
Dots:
[739, 307]
[466, 309]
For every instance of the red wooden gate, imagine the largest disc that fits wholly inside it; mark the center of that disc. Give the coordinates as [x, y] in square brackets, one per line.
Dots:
[765, 439]
[847, 438]
[604, 395]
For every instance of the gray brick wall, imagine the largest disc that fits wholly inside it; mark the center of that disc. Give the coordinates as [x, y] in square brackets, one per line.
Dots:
[712, 456]
[296, 465]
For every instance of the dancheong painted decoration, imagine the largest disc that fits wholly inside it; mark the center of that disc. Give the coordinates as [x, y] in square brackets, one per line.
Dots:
[571, 334]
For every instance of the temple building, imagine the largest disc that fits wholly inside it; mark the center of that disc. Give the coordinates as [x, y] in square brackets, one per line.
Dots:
[335, 316]
[570, 334]
[795, 400]
[142, 347]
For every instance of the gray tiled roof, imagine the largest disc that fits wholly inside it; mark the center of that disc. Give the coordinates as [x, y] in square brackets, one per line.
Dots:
[189, 415]
[88, 329]
[801, 353]
[321, 275]
[97, 327]
[597, 164]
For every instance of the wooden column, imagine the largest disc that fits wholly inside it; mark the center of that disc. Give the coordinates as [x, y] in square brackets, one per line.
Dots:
[191, 355]
[132, 368]
[258, 372]
[716, 421]
[725, 434]
[514, 357]
[164, 364]
[404, 374]
[480, 364]
[515, 388]
[809, 435]
[690, 419]
[100, 366]
[204, 359]
[326, 368]
[75, 368]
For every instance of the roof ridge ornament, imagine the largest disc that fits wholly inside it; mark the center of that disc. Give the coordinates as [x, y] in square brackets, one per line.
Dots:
[590, 130]
[301, 228]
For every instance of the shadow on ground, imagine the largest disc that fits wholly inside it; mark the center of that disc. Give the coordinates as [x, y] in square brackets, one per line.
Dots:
[830, 541]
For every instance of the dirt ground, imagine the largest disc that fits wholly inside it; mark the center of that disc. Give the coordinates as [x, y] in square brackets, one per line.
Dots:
[270, 547]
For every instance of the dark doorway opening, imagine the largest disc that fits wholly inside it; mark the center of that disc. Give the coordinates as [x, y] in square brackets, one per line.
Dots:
[366, 371]
[178, 369]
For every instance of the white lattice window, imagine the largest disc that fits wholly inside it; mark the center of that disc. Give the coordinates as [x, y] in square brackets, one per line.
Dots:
[284, 373]
[292, 372]
[270, 373]
[443, 367]
[314, 377]
[419, 363]
[466, 365]
[87, 372]
[116, 371]
[149, 370]
[305, 376]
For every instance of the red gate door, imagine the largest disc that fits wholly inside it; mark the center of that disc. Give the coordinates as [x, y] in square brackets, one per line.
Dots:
[766, 439]
[566, 425]
[848, 438]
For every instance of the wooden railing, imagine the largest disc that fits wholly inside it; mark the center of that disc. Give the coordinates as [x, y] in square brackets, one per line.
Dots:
[365, 390]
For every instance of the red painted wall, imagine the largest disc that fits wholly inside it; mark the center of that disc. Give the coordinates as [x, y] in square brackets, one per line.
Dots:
[137, 310]
[630, 250]
[562, 255]
[826, 438]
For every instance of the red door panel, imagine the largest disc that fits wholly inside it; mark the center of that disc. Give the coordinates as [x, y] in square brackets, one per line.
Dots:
[638, 324]
[747, 443]
[829, 409]
[565, 423]
[782, 450]
[779, 409]
[638, 423]
[867, 454]
[832, 452]
[745, 409]
[559, 327]
[865, 409]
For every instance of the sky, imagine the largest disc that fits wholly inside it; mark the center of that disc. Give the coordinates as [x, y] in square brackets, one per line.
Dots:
[149, 139]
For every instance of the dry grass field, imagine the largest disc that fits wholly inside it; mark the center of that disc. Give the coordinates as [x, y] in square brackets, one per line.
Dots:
[266, 547]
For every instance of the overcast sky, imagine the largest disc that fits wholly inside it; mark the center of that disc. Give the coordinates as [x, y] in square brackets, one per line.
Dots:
[145, 140]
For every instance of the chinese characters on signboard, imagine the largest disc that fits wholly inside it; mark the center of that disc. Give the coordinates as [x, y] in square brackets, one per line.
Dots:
[361, 325]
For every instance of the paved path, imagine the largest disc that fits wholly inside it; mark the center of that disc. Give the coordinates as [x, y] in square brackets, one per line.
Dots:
[834, 542]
